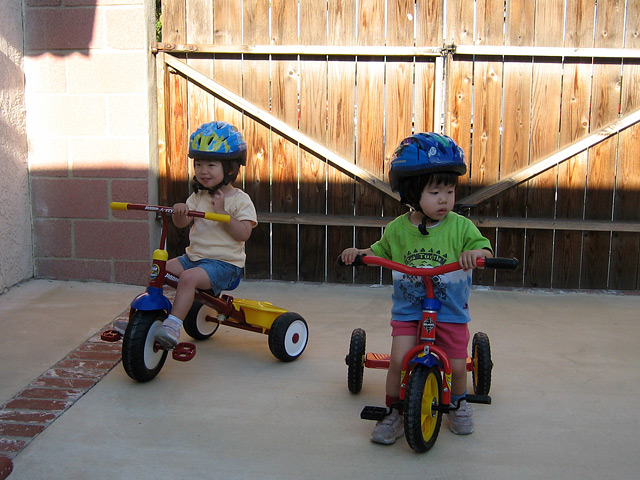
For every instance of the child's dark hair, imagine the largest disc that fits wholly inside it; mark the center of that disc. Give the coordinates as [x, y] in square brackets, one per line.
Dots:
[231, 169]
[412, 187]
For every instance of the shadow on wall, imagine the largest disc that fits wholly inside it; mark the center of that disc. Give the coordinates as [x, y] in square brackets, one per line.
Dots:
[61, 30]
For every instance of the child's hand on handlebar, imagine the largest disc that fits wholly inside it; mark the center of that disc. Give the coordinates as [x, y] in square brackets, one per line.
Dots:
[349, 254]
[180, 209]
[468, 259]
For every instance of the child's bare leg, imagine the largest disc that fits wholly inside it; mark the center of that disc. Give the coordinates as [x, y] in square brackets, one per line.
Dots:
[189, 280]
[400, 345]
[175, 267]
[458, 376]
[391, 427]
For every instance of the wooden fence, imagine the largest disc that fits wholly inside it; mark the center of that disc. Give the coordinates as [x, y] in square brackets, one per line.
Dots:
[541, 95]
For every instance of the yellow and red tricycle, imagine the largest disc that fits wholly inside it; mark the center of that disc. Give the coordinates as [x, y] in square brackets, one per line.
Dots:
[143, 357]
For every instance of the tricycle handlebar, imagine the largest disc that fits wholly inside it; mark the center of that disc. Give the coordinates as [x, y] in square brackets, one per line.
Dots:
[498, 262]
[217, 217]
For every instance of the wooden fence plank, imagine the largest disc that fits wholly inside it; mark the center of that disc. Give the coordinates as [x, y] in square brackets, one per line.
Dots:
[483, 160]
[285, 158]
[174, 178]
[545, 119]
[227, 69]
[370, 124]
[625, 247]
[256, 89]
[369, 152]
[199, 17]
[341, 99]
[460, 21]
[515, 144]
[459, 89]
[313, 261]
[574, 124]
[399, 107]
[605, 101]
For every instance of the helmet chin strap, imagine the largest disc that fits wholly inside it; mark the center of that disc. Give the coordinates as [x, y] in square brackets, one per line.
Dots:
[422, 228]
[197, 186]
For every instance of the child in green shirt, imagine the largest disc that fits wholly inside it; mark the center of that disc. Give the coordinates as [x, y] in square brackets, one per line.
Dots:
[425, 170]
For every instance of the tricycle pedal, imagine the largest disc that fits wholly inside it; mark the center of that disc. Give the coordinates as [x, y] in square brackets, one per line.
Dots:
[486, 399]
[184, 351]
[374, 413]
[377, 360]
[110, 336]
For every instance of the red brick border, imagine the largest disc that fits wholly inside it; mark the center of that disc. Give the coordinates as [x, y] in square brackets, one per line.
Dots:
[6, 467]
[41, 402]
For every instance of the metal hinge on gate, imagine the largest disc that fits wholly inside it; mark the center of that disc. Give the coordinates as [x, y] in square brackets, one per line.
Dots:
[448, 50]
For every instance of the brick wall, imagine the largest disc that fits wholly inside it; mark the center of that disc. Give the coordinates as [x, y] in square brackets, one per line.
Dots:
[91, 136]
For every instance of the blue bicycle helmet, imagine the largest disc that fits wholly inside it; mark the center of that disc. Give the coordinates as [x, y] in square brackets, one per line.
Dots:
[218, 141]
[425, 153]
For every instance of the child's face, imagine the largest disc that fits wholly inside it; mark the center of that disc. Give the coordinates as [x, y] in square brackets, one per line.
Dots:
[437, 201]
[209, 172]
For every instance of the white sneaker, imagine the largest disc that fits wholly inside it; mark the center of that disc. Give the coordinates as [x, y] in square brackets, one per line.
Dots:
[388, 429]
[461, 420]
[168, 335]
[120, 325]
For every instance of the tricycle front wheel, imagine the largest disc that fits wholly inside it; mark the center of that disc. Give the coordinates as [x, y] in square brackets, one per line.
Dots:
[288, 336]
[140, 359]
[422, 418]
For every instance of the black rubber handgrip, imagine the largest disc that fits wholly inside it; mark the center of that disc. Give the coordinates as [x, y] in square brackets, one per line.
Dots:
[501, 263]
[356, 263]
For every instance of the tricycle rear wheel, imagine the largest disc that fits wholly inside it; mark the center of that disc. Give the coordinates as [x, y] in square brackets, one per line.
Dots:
[196, 324]
[421, 417]
[140, 359]
[355, 360]
[482, 364]
[288, 336]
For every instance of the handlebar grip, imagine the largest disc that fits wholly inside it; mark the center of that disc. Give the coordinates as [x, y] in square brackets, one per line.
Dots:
[501, 263]
[356, 263]
[118, 205]
[217, 217]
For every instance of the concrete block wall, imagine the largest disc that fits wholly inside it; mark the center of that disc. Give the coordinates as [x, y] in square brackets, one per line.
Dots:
[90, 103]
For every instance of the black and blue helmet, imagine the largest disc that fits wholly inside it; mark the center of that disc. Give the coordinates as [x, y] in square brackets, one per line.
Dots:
[425, 153]
[218, 141]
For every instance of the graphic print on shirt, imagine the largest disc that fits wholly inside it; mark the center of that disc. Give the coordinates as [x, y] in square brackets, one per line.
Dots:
[412, 287]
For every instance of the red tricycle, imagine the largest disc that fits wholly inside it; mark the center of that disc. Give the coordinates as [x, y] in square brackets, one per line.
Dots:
[425, 385]
[143, 357]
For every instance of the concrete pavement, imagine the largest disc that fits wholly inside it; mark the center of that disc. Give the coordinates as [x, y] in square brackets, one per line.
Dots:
[564, 386]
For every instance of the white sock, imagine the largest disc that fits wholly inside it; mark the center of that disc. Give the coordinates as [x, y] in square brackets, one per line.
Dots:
[175, 320]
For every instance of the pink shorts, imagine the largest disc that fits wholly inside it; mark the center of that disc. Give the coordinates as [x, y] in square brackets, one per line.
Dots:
[453, 338]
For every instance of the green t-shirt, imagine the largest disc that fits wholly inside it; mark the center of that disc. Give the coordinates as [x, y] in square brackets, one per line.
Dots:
[402, 242]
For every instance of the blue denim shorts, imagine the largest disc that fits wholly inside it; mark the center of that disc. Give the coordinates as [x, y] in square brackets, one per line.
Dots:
[222, 275]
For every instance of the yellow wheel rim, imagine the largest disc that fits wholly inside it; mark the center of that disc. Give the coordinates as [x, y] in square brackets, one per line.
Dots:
[430, 397]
